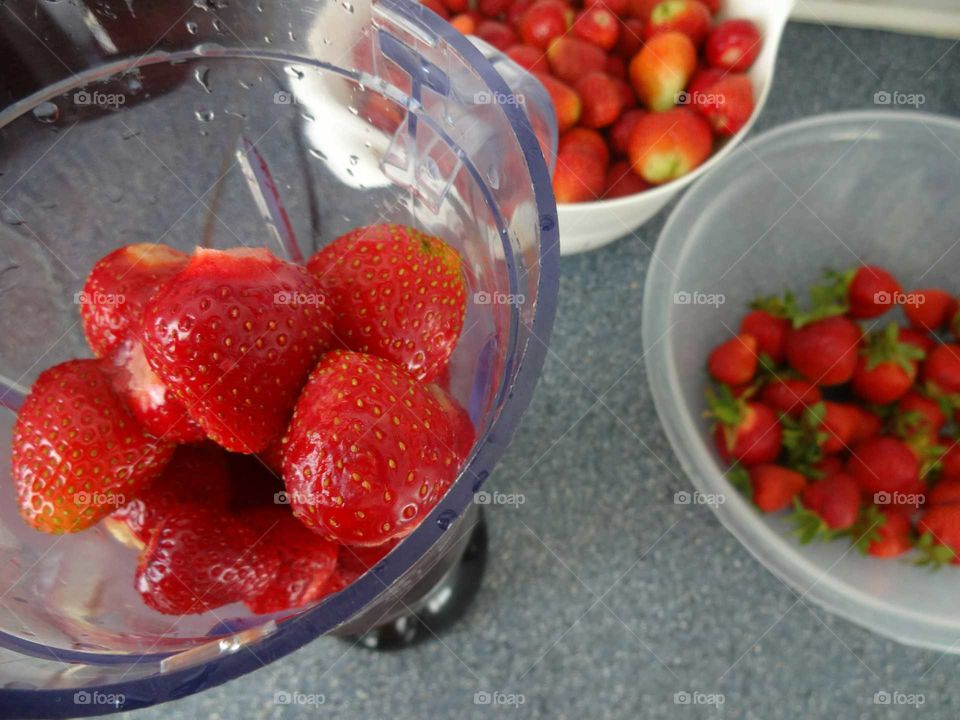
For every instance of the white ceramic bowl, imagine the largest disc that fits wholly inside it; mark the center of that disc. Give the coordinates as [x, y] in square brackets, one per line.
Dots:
[830, 191]
[589, 225]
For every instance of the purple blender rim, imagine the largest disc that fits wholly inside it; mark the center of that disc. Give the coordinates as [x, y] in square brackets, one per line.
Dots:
[301, 629]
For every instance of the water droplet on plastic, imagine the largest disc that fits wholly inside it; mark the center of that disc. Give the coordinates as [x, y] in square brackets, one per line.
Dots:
[348, 7]
[204, 115]
[202, 76]
[319, 154]
[192, 27]
[46, 112]
[308, 116]
[353, 110]
[354, 159]
[49, 204]
[260, 7]
[446, 519]
[293, 71]
[292, 36]
[10, 216]
[267, 39]
[245, 85]
[113, 193]
[234, 113]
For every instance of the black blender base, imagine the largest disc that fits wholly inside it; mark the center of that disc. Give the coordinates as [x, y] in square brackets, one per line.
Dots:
[441, 607]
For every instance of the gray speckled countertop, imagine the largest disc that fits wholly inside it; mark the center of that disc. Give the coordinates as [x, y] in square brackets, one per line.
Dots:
[602, 597]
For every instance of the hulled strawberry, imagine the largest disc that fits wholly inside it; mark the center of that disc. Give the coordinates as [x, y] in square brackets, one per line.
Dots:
[369, 451]
[118, 287]
[307, 561]
[397, 293]
[77, 451]
[234, 336]
[198, 560]
[196, 474]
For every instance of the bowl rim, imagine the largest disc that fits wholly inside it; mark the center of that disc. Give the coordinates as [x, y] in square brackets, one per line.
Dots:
[779, 555]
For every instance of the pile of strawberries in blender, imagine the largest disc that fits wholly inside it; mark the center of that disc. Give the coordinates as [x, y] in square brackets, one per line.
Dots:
[847, 419]
[260, 431]
[642, 89]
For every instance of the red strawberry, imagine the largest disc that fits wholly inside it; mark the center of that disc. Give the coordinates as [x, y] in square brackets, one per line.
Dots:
[397, 293]
[234, 337]
[939, 530]
[747, 432]
[602, 102]
[466, 23]
[642, 9]
[941, 370]
[929, 309]
[919, 413]
[150, 401]
[789, 395]
[571, 58]
[493, 8]
[834, 502]
[824, 351]
[917, 339]
[622, 181]
[584, 140]
[620, 132]
[733, 45]
[887, 367]
[727, 105]
[498, 34]
[307, 561]
[662, 69]
[690, 17]
[566, 103]
[667, 145]
[438, 7]
[196, 475]
[872, 291]
[544, 21]
[869, 425]
[529, 58]
[884, 533]
[579, 176]
[775, 486]
[77, 451]
[631, 38]
[769, 330]
[198, 560]
[617, 7]
[458, 418]
[113, 296]
[884, 464]
[734, 361]
[703, 79]
[616, 68]
[515, 12]
[841, 422]
[356, 559]
[596, 24]
[369, 451]
[829, 465]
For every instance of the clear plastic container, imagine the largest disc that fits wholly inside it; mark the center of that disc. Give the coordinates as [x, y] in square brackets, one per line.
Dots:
[829, 191]
[157, 123]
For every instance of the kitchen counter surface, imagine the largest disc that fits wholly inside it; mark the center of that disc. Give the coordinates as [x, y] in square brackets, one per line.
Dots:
[603, 598]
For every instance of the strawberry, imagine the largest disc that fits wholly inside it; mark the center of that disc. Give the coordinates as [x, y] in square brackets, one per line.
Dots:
[662, 69]
[584, 140]
[631, 38]
[883, 533]
[883, 464]
[456, 6]
[529, 58]
[827, 506]
[886, 367]
[732, 45]
[466, 23]
[872, 291]
[579, 175]
[616, 67]
[825, 351]
[642, 9]
[841, 423]
[727, 105]
[198, 560]
[789, 395]
[950, 463]
[150, 401]
[823, 428]
[196, 475]
[667, 145]
[869, 425]
[917, 339]
[515, 12]
[458, 418]
[745, 431]
[396, 292]
[622, 181]
[617, 7]
[619, 133]
[571, 58]
[703, 79]
[493, 8]
[356, 559]
[544, 21]
[827, 466]
[437, 7]
[775, 486]
[945, 492]
[596, 24]
[498, 34]
[234, 336]
[77, 452]
[939, 530]
[602, 102]
[369, 452]
[769, 329]
[929, 309]
[566, 103]
[734, 361]
[916, 412]
[118, 287]
[690, 17]
[307, 561]
[941, 371]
